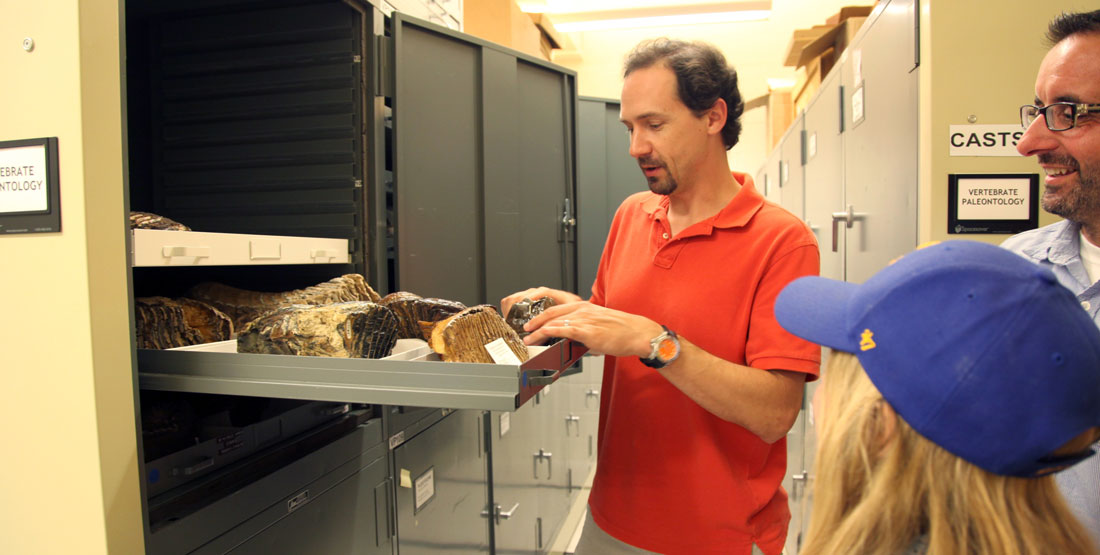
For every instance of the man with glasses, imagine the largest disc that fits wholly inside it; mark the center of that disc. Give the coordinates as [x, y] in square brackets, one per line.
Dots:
[1063, 132]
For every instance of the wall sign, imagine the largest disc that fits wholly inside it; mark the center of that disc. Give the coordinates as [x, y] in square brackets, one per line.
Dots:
[30, 199]
[985, 140]
[992, 203]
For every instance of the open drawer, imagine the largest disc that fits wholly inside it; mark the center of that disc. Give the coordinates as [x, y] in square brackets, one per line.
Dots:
[412, 376]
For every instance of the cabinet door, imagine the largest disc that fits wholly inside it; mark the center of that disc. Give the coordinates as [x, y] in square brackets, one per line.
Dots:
[824, 174]
[791, 184]
[442, 479]
[880, 141]
[515, 441]
[554, 473]
[606, 175]
[483, 157]
[794, 480]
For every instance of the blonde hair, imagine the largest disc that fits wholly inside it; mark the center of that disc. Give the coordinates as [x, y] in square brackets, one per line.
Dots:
[880, 485]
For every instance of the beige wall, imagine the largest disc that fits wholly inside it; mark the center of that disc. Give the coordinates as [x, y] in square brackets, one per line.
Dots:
[985, 70]
[69, 470]
[756, 49]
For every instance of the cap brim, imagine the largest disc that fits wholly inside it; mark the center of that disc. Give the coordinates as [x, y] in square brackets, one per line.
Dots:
[815, 309]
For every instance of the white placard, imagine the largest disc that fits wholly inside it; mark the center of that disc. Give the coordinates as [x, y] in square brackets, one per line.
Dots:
[985, 140]
[501, 353]
[994, 199]
[811, 146]
[857, 104]
[505, 423]
[23, 180]
[425, 488]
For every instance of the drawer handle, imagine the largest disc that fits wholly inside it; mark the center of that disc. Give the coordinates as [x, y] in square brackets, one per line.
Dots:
[194, 252]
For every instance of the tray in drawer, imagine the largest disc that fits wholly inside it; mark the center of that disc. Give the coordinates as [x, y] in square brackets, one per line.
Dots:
[412, 376]
[157, 247]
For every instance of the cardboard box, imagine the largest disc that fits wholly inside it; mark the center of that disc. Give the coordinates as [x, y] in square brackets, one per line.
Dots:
[809, 44]
[809, 78]
[780, 114]
[847, 12]
[502, 22]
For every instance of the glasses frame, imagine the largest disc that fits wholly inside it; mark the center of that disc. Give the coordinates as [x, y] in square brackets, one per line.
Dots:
[1079, 109]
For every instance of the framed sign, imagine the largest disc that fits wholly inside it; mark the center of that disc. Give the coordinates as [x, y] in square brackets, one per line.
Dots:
[992, 203]
[30, 196]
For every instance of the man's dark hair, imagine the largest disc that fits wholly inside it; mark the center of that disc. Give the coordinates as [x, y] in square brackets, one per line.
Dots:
[1068, 24]
[702, 77]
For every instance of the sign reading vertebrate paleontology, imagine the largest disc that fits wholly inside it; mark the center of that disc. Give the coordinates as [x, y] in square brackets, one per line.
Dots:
[23, 180]
[992, 203]
[29, 195]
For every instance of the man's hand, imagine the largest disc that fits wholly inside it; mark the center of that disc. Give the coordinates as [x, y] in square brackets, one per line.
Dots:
[602, 330]
[560, 297]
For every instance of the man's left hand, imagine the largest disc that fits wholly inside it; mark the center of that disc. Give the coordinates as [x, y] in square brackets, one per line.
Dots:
[601, 329]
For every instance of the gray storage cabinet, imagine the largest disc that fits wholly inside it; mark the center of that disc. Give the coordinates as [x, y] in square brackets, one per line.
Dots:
[542, 455]
[446, 162]
[859, 138]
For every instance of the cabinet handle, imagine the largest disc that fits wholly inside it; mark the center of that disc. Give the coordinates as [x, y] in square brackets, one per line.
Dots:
[498, 514]
[591, 393]
[507, 514]
[201, 465]
[849, 218]
[573, 418]
[196, 252]
[796, 480]
[549, 463]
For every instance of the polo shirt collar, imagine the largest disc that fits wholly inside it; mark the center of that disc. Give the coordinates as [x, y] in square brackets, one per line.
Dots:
[737, 213]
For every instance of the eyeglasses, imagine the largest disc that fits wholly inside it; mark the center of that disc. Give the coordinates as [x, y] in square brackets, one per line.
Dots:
[1059, 116]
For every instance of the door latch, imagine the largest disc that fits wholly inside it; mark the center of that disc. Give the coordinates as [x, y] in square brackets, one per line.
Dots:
[850, 217]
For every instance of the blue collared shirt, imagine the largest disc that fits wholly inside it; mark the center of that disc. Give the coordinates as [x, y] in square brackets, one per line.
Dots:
[1057, 247]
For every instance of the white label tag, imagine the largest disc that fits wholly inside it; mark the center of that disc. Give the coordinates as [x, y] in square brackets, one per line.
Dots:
[857, 104]
[505, 423]
[501, 353]
[425, 488]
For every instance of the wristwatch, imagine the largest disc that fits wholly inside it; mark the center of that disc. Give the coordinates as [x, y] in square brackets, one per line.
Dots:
[665, 349]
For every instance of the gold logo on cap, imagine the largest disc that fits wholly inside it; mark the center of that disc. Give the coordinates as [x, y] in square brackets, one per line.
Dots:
[866, 340]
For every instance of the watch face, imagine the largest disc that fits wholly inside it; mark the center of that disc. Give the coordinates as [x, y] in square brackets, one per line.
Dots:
[666, 349]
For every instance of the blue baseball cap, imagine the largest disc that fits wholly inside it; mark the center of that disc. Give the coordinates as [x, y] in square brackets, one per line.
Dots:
[980, 350]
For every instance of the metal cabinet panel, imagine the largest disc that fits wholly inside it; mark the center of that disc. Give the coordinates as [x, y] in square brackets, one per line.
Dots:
[606, 175]
[795, 480]
[441, 477]
[824, 173]
[436, 109]
[516, 438]
[351, 517]
[554, 473]
[791, 184]
[880, 144]
[483, 167]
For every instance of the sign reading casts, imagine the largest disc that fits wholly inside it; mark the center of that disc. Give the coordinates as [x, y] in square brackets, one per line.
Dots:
[23, 180]
[985, 140]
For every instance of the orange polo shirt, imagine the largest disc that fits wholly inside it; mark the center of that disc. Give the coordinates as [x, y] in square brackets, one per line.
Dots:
[672, 477]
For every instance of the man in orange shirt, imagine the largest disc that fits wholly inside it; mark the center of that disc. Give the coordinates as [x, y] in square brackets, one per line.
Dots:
[700, 384]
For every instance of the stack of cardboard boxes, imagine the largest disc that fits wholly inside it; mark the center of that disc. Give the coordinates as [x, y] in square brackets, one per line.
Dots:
[814, 51]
